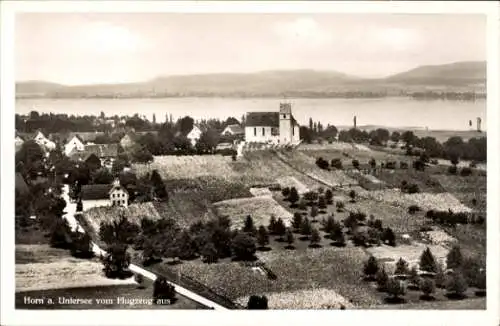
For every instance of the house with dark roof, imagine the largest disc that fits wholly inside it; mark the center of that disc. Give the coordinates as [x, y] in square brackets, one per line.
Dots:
[233, 130]
[99, 195]
[278, 127]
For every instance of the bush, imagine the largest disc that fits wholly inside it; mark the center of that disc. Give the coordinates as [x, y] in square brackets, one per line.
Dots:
[289, 238]
[410, 188]
[413, 209]
[116, 261]
[402, 267]
[322, 202]
[256, 302]
[285, 192]
[403, 165]
[262, 237]
[440, 277]
[355, 164]
[454, 259]
[414, 278]
[329, 196]
[370, 268]
[428, 262]
[480, 283]
[293, 196]
[395, 288]
[419, 165]
[456, 285]
[163, 291]
[297, 220]
[243, 247]
[315, 238]
[336, 163]
[360, 239]
[60, 234]
[389, 237]
[81, 246]
[465, 172]
[306, 228]
[139, 279]
[382, 279]
[352, 195]
[322, 164]
[249, 226]
[452, 169]
[372, 163]
[340, 206]
[389, 165]
[428, 287]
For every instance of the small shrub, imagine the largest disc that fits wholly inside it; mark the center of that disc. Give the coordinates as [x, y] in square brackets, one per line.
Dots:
[371, 268]
[315, 238]
[419, 165]
[360, 239]
[465, 172]
[163, 291]
[139, 279]
[389, 237]
[297, 220]
[355, 164]
[413, 209]
[452, 169]
[336, 163]
[403, 165]
[428, 287]
[340, 206]
[352, 195]
[256, 302]
[382, 279]
[428, 262]
[402, 267]
[395, 288]
[322, 164]
[414, 278]
[456, 285]
[329, 196]
[285, 192]
[480, 283]
[440, 277]
[454, 259]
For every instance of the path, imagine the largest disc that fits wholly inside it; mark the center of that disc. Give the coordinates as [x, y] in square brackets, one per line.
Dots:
[69, 216]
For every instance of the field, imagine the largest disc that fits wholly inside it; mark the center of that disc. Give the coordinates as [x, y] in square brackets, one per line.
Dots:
[186, 207]
[39, 267]
[260, 208]
[329, 268]
[466, 189]
[134, 213]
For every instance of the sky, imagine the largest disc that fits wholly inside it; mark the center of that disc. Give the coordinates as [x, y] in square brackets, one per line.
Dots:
[80, 48]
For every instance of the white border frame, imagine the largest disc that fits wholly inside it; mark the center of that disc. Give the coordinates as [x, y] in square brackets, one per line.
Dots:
[88, 317]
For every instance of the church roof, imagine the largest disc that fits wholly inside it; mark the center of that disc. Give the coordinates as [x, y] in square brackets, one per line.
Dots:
[265, 119]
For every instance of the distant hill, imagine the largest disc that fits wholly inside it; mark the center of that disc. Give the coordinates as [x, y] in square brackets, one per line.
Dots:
[463, 76]
[459, 73]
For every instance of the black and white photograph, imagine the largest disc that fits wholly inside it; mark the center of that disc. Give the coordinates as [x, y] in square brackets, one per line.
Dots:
[250, 160]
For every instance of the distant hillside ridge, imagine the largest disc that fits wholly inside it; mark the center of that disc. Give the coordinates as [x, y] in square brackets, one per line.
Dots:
[454, 77]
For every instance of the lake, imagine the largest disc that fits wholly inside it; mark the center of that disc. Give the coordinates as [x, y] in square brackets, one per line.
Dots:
[390, 112]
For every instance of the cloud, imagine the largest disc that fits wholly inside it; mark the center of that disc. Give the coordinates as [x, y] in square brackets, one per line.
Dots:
[397, 39]
[302, 32]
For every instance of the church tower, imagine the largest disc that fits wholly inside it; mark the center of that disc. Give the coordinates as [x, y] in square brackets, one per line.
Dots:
[286, 127]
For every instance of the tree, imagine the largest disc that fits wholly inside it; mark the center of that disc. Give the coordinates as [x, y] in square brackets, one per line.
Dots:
[159, 187]
[297, 220]
[81, 245]
[208, 142]
[352, 195]
[373, 163]
[116, 261]
[395, 136]
[402, 267]
[280, 228]
[440, 277]
[336, 163]
[329, 196]
[209, 253]
[60, 233]
[413, 277]
[163, 291]
[428, 287]
[305, 228]
[262, 237]
[382, 278]
[337, 235]
[370, 268]
[395, 288]
[139, 279]
[454, 259]
[256, 302]
[285, 192]
[243, 246]
[142, 155]
[329, 224]
[408, 137]
[186, 245]
[290, 239]
[315, 238]
[340, 206]
[389, 237]
[456, 285]
[249, 226]
[314, 212]
[355, 164]
[102, 176]
[272, 224]
[185, 125]
[293, 197]
[428, 262]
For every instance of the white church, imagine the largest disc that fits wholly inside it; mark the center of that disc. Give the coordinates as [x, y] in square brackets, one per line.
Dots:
[272, 127]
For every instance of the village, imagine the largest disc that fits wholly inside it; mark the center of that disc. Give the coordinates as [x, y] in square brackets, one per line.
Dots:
[255, 213]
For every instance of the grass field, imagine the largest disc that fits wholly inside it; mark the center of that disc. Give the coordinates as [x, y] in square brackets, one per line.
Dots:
[134, 213]
[186, 207]
[28, 254]
[63, 273]
[466, 304]
[466, 189]
[314, 269]
[260, 208]
[110, 297]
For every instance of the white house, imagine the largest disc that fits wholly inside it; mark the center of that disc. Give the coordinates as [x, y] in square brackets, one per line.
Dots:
[272, 127]
[194, 135]
[233, 130]
[99, 195]
[44, 142]
[74, 144]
